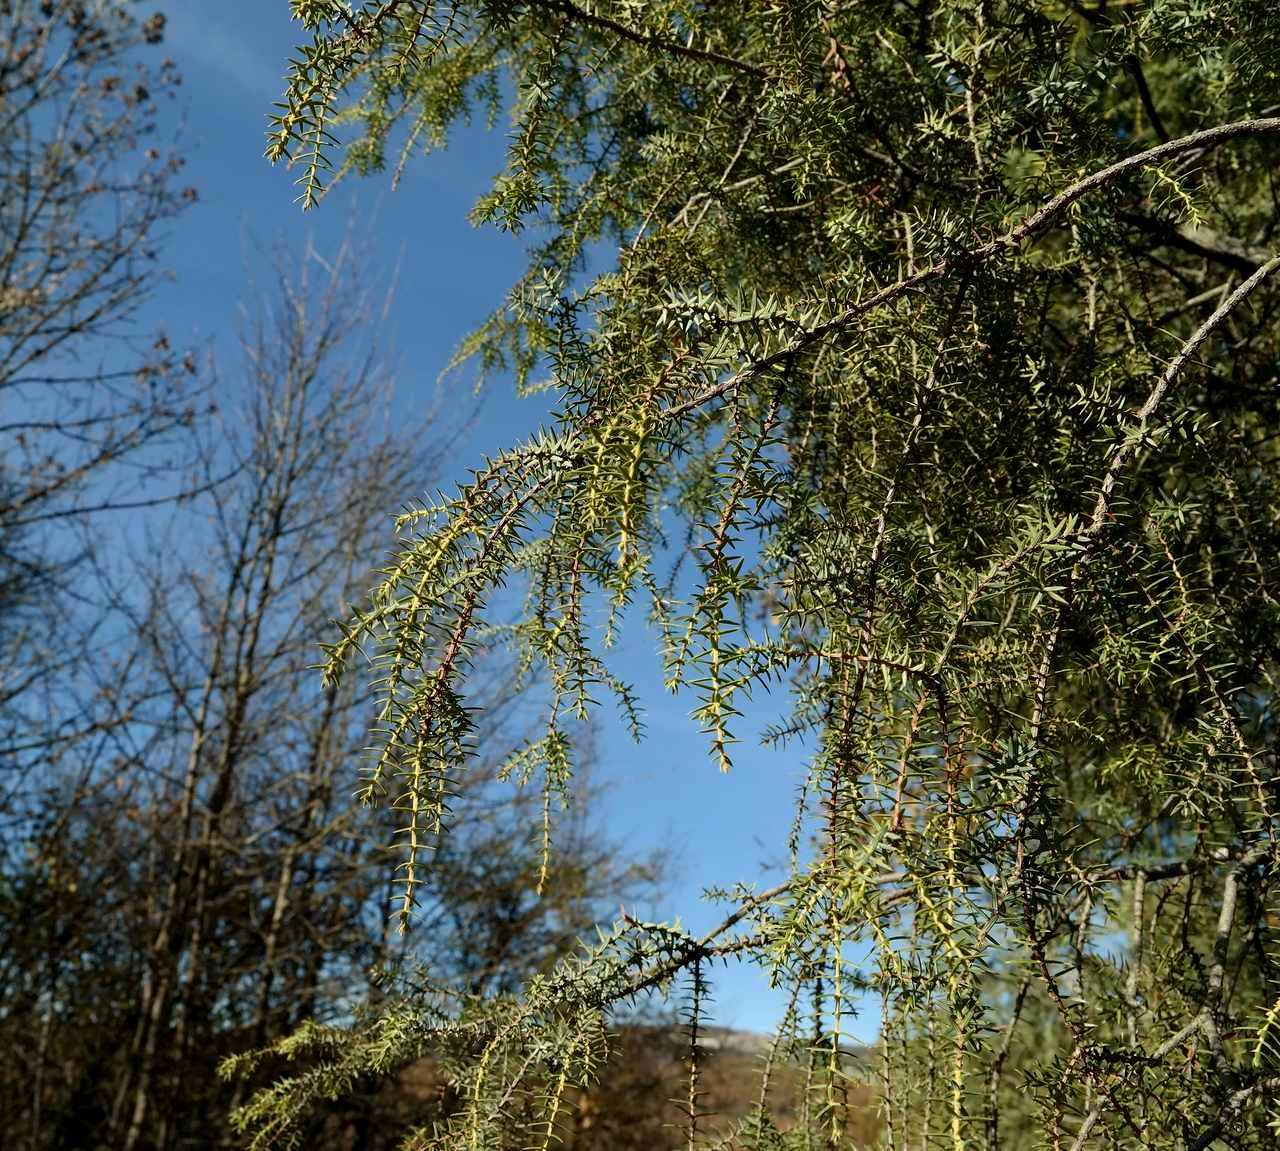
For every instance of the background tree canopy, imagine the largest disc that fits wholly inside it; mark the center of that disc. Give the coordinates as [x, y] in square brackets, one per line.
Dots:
[181, 873]
[916, 374]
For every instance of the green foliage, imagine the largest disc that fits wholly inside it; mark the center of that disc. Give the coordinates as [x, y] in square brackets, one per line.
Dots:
[940, 346]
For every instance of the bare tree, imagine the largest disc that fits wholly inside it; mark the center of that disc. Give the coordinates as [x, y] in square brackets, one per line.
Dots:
[204, 883]
[181, 874]
[252, 741]
[92, 407]
[86, 194]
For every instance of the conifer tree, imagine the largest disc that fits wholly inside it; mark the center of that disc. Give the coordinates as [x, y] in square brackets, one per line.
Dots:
[941, 338]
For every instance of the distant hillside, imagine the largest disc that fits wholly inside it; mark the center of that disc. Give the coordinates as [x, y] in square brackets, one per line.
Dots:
[639, 1103]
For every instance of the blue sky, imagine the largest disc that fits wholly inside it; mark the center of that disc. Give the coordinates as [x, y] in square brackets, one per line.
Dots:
[666, 793]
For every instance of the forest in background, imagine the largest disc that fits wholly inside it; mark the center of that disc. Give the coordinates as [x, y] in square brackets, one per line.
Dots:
[183, 873]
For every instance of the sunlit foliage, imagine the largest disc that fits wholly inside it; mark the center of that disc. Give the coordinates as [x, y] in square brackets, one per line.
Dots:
[938, 342]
